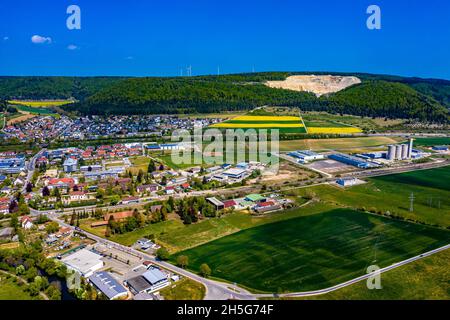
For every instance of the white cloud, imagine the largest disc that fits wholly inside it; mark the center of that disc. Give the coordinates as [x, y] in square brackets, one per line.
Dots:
[129, 58]
[72, 47]
[40, 39]
[5, 38]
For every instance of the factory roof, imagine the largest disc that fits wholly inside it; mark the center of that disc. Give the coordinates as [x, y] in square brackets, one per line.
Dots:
[154, 275]
[107, 284]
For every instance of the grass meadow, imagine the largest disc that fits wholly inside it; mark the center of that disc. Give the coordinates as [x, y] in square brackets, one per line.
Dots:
[313, 252]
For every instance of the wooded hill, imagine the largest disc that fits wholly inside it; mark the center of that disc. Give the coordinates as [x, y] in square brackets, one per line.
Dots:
[376, 96]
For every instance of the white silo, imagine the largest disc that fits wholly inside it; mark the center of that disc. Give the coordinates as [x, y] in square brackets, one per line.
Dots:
[398, 152]
[404, 151]
[391, 152]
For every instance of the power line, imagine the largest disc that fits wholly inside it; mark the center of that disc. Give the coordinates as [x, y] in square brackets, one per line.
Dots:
[411, 202]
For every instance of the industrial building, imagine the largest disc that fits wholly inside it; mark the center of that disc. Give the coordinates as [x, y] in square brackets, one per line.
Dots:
[235, 173]
[151, 280]
[306, 155]
[400, 151]
[353, 161]
[440, 148]
[347, 182]
[84, 262]
[12, 165]
[107, 285]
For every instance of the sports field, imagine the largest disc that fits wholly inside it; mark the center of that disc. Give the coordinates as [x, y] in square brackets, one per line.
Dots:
[313, 252]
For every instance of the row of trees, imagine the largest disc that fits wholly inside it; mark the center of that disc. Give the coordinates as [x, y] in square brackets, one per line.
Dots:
[183, 261]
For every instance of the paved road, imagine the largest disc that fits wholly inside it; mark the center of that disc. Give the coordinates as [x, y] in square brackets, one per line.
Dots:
[215, 290]
[353, 281]
[31, 165]
[218, 290]
[222, 291]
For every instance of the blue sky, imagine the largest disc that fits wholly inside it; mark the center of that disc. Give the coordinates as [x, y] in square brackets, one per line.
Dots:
[163, 37]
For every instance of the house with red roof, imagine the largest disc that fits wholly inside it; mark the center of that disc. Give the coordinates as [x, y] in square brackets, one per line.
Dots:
[26, 222]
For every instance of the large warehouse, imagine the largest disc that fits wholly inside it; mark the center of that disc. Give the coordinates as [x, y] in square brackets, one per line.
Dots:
[84, 262]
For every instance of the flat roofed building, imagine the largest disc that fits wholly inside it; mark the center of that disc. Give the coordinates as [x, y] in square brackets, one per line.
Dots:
[84, 262]
[235, 173]
[346, 182]
[109, 286]
[151, 280]
[138, 285]
[156, 278]
[255, 198]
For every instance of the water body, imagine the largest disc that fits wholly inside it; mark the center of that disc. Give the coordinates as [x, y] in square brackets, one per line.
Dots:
[62, 285]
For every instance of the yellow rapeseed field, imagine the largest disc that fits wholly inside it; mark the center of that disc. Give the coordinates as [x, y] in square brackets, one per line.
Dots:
[257, 125]
[338, 130]
[44, 103]
[267, 118]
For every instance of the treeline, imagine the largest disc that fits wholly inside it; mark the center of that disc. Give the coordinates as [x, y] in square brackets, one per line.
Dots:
[185, 95]
[426, 100]
[372, 98]
[387, 99]
[42, 88]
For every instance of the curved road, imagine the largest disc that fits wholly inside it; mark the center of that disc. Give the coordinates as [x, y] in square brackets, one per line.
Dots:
[216, 290]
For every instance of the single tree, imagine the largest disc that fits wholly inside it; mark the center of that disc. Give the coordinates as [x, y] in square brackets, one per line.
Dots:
[182, 261]
[205, 270]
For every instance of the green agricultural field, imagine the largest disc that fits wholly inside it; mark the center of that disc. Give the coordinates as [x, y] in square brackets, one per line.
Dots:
[139, 163]
[365, 123]
[313, 252]
[337, 143]
[391, 193]
[426, 279]
[176, 236]
[429, 142]
[35, 110]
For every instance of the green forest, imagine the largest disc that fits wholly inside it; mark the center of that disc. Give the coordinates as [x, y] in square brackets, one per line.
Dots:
[376, 96]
